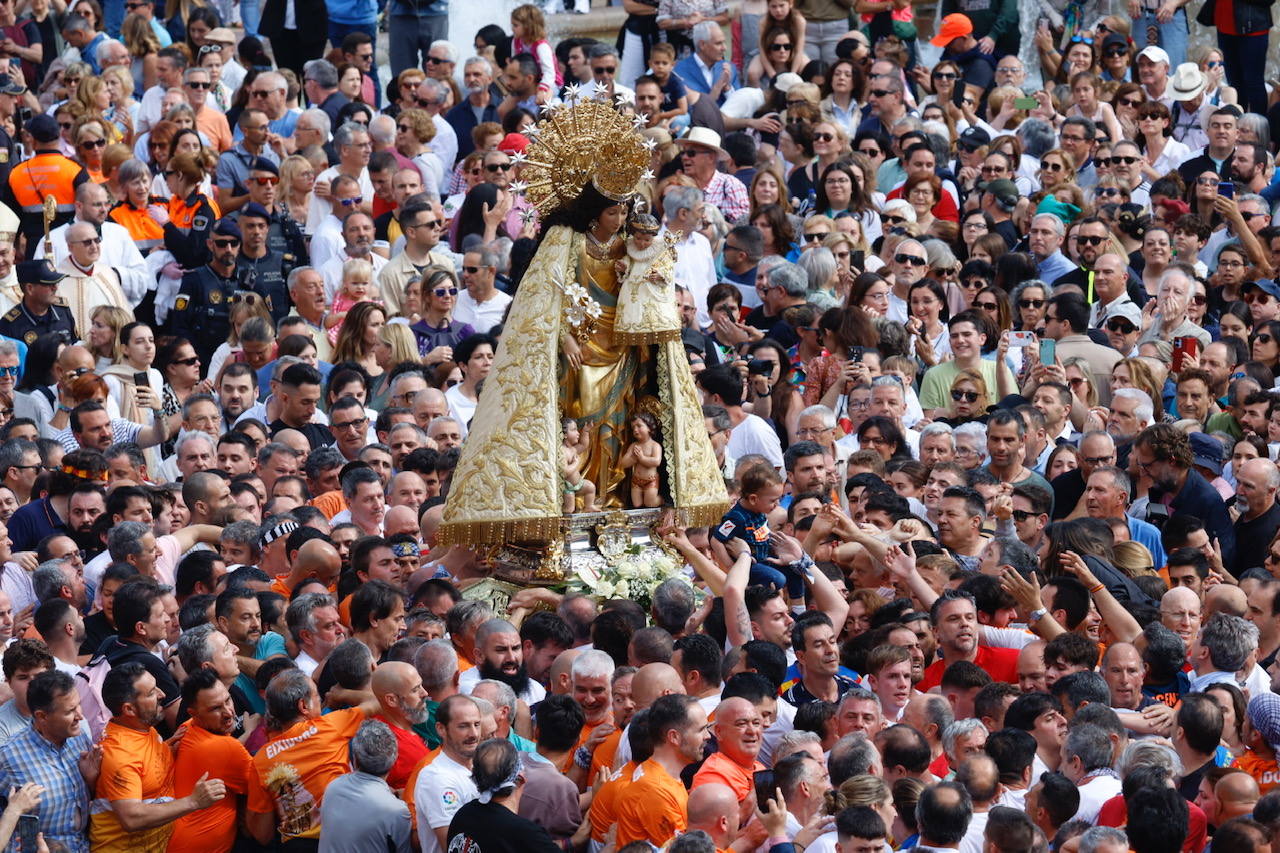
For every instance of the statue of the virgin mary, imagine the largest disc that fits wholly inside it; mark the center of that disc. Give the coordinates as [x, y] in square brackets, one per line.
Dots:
[584, 339]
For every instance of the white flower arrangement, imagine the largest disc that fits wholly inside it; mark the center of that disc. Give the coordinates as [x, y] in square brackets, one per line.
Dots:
[634, 575]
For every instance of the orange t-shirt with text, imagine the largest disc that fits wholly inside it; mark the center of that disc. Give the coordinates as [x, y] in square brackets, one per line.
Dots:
[1264, 770]
[222, 757]
[293, 769]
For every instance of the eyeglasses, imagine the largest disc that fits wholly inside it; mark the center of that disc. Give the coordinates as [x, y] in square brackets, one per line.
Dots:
[1053, 167]
[260, 93]
[358, 423]
[780, 46]
[814, 238]
[870, 152]
[1121, 326]
[1085, 240]
[228, 243]
[88, 241]
[196, 84]
[944, 75]
[1128, 161]
[1263, 338]
[1106, 192]
[1231, 264]
[269, 180]
[880, 93]
[1254, 297]
[600, 72]
[435, 60]
[1021, 515]
[445, 291]
[1199, 299]
[471, 270]
[1079, 39]
[1113, 52]
[1030, 303]
[966, 396]
[11, 371]
[1098, 460]
[351, 202]
[824, 137]
[93, 143]
[987, 306]
[187, 362]
[497, 167]
[914, 260]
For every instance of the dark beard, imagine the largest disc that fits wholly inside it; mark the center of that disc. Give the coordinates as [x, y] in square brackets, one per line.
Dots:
[518, 682]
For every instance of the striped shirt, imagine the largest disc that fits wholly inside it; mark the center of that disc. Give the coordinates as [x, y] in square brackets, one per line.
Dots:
[64, 806]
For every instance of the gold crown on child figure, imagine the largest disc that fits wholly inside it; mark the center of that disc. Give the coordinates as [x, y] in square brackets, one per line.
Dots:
[585, 141]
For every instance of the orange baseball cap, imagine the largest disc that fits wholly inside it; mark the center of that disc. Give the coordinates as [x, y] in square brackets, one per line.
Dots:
[953, 26]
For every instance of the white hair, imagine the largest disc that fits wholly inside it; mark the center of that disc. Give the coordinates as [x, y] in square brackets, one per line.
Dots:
[592, 663]
[1145, 411]
[479, 60]
[447, 47]
[1058, 227]
[821, 411]
[937, 428]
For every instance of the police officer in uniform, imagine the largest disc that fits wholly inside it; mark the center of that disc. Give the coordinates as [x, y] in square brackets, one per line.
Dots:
[260, 269]
[202, 310]
[284, 236]
[41, 309]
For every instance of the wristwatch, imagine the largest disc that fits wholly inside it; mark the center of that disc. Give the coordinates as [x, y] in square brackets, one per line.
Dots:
[1036, 615]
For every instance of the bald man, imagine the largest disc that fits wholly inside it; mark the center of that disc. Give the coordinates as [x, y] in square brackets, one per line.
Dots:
[1180, 612]
[400, 519]
[1123, 671]
[650, 682]
[1235, 795]
[559, 682]
[296, 441]
[714, 809]
[430, 404]
[1031, 674]
[1225, 598]
[739, 731]
[398, 689]
[315, 559]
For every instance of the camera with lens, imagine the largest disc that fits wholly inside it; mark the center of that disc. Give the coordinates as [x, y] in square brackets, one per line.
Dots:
[759, 367]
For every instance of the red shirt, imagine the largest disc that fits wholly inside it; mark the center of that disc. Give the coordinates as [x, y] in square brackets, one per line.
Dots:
[411, 750]
[1000, 664]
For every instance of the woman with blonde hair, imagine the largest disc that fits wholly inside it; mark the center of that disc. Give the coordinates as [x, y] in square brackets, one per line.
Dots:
[143, 47]
[767, 187]
[1056, 169]
[865, 790]
[969, 397]
[1133, 559]
[104, 334]
[1080, 379]
[414, 130]
[91, 138]
[1135, 373]
[297, 181]
[123, 112]
[241, 311]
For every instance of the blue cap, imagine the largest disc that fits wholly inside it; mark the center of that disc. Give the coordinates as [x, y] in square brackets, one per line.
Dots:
[255, 210]
[226, 228]
[1264, 284]
[262, 164]
[38, 272]
[1206, 451]
[43, 128]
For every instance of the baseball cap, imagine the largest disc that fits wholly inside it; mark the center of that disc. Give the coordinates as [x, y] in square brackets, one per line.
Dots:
[1127, 310]
[226, 228]
[784, 81]
[43, 128]
[1206, 451]
[1155, 54]
[953, 26]
[1264, 284]
[974, 137]
[220, 35]
[513, 143]
[1005, 190]
[255, 210]
[9, 86]
[1113, 40]
[38, 272]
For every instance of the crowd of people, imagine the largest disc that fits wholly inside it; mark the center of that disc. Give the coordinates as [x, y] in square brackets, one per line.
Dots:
[985, 323]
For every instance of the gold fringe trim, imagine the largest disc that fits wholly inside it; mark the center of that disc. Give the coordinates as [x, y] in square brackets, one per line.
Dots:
[707, 515]
[643, 338]
[474, 533]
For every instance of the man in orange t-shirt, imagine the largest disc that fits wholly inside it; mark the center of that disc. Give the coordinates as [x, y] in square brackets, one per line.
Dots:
[653, 807]
[292, 769]
[207, 745]
[590, 677]
[136, 779]
[739, 732]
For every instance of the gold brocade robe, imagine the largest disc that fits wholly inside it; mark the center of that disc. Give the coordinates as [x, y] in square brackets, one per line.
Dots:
[507, 485]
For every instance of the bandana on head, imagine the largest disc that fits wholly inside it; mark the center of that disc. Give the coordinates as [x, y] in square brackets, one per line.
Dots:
[406, 549]
[284, 528]
[509, 782]
[1264, 716]
[1065, 211]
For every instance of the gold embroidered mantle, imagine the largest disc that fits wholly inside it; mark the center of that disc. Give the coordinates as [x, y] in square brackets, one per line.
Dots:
[506, 487]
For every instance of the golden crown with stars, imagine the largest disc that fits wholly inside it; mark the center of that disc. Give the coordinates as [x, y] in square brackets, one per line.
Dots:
[583, 141]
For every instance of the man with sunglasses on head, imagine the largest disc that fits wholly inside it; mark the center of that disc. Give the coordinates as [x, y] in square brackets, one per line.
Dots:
[202, 311]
